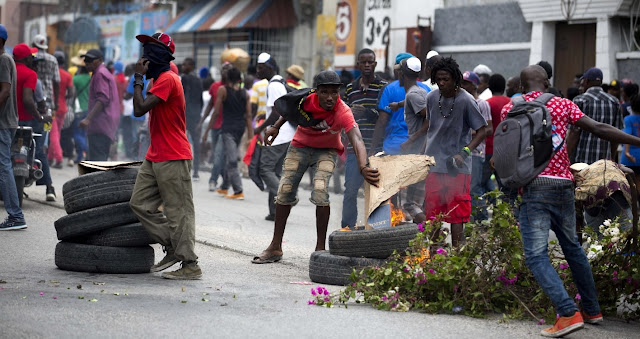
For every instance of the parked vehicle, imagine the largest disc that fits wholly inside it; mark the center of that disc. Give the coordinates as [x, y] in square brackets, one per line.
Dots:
[26, 168]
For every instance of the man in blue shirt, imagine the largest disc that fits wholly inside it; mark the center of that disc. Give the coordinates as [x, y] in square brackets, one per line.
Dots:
[390, 125]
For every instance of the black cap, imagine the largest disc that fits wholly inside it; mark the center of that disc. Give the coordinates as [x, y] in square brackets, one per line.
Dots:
[326, 78]
[93, 54]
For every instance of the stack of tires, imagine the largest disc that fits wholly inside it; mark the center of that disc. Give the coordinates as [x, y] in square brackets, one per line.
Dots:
[357, 250]
[100, 233]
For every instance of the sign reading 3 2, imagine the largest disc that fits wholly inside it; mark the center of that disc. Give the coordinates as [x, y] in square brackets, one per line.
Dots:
[377, 23]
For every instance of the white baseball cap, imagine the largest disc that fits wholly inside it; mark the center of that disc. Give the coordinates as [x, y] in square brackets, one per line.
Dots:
[482, 69]
[40, 41]
[263, 57]
[414, 64]
[431, 54]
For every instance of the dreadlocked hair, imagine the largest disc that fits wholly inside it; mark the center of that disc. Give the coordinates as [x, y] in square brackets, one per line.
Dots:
[450, 66]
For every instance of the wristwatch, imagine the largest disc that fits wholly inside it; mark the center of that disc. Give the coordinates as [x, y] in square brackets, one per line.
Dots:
[138, 82]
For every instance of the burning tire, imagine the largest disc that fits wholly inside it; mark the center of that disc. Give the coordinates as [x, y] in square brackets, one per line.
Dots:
[376, 243]
[132, 235]
[326, 268]
[103, 259]
[98, 189]
[94, 220]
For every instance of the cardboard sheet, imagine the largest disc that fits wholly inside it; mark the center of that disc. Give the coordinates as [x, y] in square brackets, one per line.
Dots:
[85, 167]
[396, 171]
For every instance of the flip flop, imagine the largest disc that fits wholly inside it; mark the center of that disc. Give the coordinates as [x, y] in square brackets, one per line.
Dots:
[262, 259]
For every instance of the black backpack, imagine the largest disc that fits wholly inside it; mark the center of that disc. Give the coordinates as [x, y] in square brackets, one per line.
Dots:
[522, 142]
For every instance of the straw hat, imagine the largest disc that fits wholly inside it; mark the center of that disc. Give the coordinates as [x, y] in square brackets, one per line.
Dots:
[296, 71]
[77, 60]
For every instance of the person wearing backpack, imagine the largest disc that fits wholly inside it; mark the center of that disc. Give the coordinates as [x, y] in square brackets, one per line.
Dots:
[548, 202]
[272, 156]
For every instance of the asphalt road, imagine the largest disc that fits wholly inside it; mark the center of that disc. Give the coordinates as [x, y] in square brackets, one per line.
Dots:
[234, 299]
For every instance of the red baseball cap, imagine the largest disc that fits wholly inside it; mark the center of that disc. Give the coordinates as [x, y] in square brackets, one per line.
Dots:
[21, 51]
[158, 38]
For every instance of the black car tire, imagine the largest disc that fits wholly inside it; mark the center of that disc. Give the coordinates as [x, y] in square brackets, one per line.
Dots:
[103, 259]
[94, 220]
[326, 268]
[98, 189]
[376, 243]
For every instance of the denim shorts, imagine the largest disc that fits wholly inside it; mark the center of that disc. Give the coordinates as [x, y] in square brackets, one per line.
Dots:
[296, 163]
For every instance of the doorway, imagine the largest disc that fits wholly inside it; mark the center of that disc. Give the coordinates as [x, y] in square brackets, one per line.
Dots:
[575, 52]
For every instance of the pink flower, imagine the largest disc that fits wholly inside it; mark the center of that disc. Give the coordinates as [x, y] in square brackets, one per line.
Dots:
[432, 218]
[313, 291]
[432, 271]
[578, 297]
[327, 299]
[421, 227]
[541, 321]
[441, 251]
[384, 297]
[320, 289]
[41, 293]
[55, 298]
[563, 266]
[325, 292]
[311, 302]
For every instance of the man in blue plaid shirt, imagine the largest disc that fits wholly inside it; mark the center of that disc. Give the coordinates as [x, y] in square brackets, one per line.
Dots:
[601, 107]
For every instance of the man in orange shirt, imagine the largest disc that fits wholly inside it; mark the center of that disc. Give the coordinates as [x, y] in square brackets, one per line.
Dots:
[164, 177]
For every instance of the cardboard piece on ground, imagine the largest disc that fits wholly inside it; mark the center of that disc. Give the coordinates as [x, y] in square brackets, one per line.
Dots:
[85, 167]
[396, 171]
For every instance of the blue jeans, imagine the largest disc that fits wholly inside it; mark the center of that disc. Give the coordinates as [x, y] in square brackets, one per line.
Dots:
[217, 169]
[548, 204]
[353, 180]
[38, 128]
[7, 182]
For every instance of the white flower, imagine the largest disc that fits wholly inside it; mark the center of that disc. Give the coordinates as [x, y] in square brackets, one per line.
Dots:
[594, 251]
[589, 240]
[585, 236]
[601, 228]
[615, 239]
[614, 231]
[607, 222]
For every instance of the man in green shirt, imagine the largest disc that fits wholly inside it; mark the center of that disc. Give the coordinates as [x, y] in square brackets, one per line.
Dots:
[81, 83]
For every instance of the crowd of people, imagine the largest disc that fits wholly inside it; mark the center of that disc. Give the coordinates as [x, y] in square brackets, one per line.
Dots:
[450, 116]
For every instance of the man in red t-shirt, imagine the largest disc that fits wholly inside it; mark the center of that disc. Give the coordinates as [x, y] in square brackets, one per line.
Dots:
[217, 154]
[161, 178]
[316, 147]
[28, 114]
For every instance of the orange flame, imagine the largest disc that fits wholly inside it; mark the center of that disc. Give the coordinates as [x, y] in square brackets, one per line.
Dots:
[397, 216]
[421, 259]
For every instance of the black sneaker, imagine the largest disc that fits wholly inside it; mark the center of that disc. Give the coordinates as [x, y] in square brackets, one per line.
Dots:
[51, 193]
[270, 217]
[9, 225]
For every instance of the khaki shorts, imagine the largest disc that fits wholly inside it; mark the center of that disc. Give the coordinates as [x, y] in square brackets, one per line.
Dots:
[296, 163]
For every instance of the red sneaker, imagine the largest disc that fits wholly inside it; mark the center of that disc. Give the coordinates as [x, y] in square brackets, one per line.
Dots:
[592, 319]
[564, 326]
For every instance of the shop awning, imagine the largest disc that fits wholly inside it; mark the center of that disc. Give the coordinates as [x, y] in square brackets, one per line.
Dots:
[211, 15]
